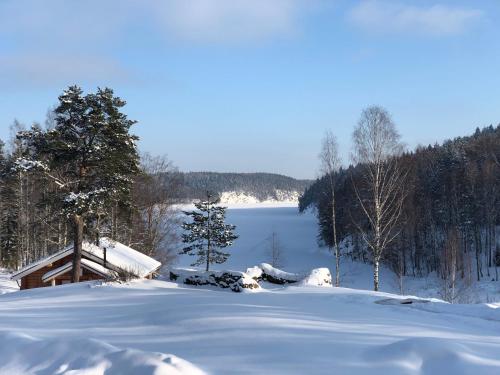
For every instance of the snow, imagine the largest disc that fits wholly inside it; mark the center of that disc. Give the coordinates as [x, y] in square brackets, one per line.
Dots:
[235, 199]
[282, 330]
[83, 356]
[123, 257]
[318, 277]
[6, 284]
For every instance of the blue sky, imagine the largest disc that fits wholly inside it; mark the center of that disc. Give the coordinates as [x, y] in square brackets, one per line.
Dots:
[251, 85]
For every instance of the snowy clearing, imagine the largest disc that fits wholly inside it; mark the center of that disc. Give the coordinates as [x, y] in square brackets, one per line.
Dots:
[287, 330]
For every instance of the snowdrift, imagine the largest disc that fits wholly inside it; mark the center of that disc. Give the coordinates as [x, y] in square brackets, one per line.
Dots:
[430, 356]
[23, 354]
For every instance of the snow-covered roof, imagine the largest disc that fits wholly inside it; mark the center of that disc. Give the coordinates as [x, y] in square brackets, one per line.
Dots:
[122, 257]
[88, 264]
[118, 257]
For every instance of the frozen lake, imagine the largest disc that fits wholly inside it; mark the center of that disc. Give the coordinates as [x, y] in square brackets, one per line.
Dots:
[296, 234]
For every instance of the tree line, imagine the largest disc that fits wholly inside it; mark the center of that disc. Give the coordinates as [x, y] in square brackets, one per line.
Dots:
[260, 185]
[442, 205]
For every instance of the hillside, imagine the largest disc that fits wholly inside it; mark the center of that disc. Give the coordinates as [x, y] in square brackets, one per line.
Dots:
[449, 210]
[241, 187]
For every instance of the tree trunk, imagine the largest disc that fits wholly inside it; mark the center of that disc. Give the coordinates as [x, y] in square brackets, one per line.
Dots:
[77, 247]
[208, 232]
[375, 274]
[337, 253]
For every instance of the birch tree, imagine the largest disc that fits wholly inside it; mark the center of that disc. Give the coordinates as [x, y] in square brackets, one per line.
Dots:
[376, 148]
[330, 164]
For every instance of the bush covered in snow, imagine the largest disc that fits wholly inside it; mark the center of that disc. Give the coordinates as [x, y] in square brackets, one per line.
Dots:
[236, 281]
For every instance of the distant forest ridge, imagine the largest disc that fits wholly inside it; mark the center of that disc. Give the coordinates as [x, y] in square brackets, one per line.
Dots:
[263, 186]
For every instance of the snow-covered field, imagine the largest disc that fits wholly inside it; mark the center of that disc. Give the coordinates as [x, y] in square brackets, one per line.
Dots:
[293, 330]
[132, 328]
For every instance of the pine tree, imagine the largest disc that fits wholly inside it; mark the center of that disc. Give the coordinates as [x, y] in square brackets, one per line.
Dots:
[89, 154]
[207, 233]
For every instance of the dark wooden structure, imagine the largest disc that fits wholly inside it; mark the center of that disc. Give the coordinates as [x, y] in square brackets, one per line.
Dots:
[108, 260]
[34, 279]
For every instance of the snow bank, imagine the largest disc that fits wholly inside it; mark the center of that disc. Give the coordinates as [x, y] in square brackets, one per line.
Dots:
[318, 277]
[234, 280]
[23, 354]
[429, 356]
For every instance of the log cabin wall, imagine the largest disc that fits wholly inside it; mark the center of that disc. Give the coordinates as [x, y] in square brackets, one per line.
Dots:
[34, 279]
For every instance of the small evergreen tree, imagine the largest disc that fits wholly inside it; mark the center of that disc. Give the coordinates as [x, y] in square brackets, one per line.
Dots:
[207, 233]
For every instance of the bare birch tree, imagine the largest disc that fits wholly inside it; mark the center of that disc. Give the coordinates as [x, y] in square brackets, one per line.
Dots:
[330, 164]
[275, 251]
[376, 147]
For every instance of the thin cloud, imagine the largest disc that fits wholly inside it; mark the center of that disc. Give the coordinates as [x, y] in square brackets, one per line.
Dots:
[222, 21]
[60, 39]
[201, 20]
[392, 17]
[44, 70]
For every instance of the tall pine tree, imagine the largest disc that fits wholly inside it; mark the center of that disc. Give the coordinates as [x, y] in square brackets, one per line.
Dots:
[89, 154]
[207, 233]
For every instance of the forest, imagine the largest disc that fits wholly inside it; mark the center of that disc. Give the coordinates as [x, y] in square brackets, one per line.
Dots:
[450, 210]
[260, 185]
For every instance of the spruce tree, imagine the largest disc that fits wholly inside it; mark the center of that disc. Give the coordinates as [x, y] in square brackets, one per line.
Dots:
[207, 233]
[89, 154]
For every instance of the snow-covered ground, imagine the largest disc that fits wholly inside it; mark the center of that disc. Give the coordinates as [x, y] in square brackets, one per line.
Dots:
[292, 330]
[132, 328]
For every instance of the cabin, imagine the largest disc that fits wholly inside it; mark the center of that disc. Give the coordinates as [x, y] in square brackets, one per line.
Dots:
[106, 261]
